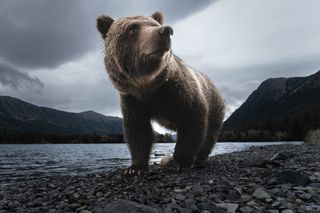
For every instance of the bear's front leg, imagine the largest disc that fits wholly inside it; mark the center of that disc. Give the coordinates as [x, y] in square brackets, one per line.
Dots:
[138, 134]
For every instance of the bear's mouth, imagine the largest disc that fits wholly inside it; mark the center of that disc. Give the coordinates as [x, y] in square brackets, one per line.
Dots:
[160, 52]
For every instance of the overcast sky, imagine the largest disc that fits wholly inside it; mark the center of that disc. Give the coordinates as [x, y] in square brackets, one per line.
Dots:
[51, 54]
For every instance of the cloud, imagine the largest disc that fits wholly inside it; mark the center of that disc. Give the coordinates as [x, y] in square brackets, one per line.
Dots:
[38, 33]
[172, 10]
[74, 86]
[238, 44]
[47, 33]
[10, 76]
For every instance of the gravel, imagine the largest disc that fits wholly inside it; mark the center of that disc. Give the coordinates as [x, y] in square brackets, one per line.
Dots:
[280, 178]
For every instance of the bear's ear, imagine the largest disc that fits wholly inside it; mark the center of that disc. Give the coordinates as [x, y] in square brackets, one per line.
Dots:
[158, 17]
[103, 25]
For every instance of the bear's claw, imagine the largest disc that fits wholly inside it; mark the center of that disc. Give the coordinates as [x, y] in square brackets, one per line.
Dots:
[132, 172]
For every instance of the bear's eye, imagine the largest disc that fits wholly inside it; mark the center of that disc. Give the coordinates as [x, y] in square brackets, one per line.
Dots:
[133, 29]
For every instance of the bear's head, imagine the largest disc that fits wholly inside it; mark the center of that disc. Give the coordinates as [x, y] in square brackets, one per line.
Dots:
[135, 46]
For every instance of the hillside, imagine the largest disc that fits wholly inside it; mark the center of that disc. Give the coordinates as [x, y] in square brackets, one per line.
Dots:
[280, 108]
[21, 116]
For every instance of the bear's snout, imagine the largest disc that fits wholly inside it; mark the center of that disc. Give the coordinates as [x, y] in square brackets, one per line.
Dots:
[166, 31]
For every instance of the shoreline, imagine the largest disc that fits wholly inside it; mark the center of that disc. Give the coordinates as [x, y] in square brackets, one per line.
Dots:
[274, 178]
[157, 142]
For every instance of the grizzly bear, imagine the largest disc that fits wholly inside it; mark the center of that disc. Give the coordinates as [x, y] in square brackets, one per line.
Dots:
[156, 85]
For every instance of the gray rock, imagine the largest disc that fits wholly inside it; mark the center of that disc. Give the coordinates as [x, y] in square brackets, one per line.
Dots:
[229, 207]
[305, 196]
[189, 202]
[180, 197]
[313, 208]
[249, 188]
[292, 177]
[286, 186]
[81, 208]
[273, 211]
[269, 200]
[287, 211]
[125, 206]
[314, 185]
[37, 202]
[14, 204]
[258, 162]
[85, 211]
[254, 205]
[211, 207]
[197, 189]
[172, 208]
[178, 190]
[74, 206]
[99, 194]
[245, 209]
[281, 156]
[261, 194]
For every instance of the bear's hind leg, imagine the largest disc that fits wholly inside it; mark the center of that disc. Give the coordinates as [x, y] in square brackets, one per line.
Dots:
[190, 138]
[208, 144]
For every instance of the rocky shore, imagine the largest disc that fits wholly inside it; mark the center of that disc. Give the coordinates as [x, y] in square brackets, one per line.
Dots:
[275, 179]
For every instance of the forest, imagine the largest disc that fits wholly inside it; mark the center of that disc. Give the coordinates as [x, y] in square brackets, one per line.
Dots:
[16, 137]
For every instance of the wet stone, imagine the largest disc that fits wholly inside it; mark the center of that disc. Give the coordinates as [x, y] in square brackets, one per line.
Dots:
[211, 207]
[292, 177]
[197, 189]
[229, 207]
[180, 197]
[287, 211]
[245, 209]
[272, 211]
[74, 206]
[261, 194]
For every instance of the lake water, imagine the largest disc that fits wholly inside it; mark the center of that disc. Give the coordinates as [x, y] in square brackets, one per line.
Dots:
[20, 161]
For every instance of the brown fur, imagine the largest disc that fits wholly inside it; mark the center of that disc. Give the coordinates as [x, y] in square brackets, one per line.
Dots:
[156, 85]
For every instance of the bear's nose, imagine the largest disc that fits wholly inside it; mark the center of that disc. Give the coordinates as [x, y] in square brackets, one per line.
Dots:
[166, 30]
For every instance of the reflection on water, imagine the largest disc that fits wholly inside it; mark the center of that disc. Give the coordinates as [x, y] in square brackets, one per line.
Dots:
[21, 161]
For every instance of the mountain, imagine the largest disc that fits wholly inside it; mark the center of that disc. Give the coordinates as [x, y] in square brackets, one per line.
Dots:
[285, 106]
[21, 116]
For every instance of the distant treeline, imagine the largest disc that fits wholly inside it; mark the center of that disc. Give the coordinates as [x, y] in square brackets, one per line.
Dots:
[16, 137]
[293, 127]
[255, 136]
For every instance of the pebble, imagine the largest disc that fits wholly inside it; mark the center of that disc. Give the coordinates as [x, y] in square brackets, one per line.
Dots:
[74, 206]
[273, 211]
[277, 185]
[293, 177]
[178, 190]
[229, 207]
[245, 209]
[261, 194]
[85, 211]
[313, 208]
[180, 197]
[287, 211]
[197, 189]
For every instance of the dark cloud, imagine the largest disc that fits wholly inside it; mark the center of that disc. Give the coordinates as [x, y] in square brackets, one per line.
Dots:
[57, 41]
[43, 34]
[173, 10]
[10, 76]
[47, 33]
